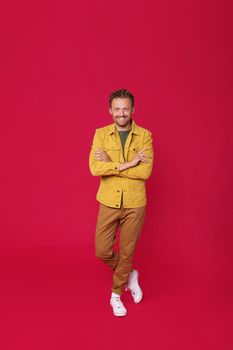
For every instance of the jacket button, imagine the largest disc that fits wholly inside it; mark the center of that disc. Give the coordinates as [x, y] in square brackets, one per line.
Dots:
[115, 167]
[118, 191]
[117, 205]
[134, 149]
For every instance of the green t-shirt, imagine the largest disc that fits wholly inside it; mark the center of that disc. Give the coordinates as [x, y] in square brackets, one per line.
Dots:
[123, 136]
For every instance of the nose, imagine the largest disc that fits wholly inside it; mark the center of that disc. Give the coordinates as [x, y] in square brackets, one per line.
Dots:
[121, 113]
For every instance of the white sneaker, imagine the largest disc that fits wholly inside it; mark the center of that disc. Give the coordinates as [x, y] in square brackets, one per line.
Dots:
[134, 287]
[117, 305]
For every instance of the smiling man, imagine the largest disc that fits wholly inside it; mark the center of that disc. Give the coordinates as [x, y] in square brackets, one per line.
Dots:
[122, 154]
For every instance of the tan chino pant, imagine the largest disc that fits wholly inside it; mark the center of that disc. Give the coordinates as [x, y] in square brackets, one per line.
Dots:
[130, 221]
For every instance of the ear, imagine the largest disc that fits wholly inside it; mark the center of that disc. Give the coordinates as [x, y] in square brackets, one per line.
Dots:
[133, 110]
[110, 111]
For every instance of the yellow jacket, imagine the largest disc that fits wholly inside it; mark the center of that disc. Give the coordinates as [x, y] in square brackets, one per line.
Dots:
[127, 185]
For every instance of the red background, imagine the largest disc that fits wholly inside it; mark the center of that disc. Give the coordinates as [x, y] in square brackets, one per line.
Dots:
[59, 63]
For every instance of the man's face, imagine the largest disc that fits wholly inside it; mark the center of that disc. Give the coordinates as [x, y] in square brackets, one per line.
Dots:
[121, 111]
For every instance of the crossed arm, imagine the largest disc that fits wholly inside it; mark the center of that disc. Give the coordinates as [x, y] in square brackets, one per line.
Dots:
[139, 167]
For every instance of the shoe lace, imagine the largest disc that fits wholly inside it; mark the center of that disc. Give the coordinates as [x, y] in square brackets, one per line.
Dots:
[133, 289]
[117, 301]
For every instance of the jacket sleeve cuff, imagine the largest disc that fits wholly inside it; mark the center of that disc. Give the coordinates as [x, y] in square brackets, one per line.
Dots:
[115, 166]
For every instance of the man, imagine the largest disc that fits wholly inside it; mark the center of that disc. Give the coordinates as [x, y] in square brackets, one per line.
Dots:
[122, 155]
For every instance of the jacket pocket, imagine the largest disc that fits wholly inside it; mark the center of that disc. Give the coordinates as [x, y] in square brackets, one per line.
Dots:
[133, 150]
[113, 153]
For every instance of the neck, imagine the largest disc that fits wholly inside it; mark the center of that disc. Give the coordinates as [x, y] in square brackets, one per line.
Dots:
[124, 128]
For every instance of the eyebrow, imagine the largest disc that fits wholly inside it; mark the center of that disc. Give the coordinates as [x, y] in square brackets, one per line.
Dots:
[119, 107]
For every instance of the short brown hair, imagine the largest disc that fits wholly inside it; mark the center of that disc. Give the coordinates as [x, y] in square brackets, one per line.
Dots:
[121, 93]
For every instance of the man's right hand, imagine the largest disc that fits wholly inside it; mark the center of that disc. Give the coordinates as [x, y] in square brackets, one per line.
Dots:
[100, 154]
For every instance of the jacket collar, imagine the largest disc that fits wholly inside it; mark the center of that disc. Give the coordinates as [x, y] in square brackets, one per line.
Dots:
[134, 128]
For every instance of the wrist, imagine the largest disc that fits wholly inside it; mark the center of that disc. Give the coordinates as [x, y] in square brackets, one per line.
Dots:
[133, 163]
[124, 166]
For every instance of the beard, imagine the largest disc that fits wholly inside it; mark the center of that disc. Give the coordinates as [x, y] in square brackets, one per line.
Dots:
[123, 124]
[123, 118]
